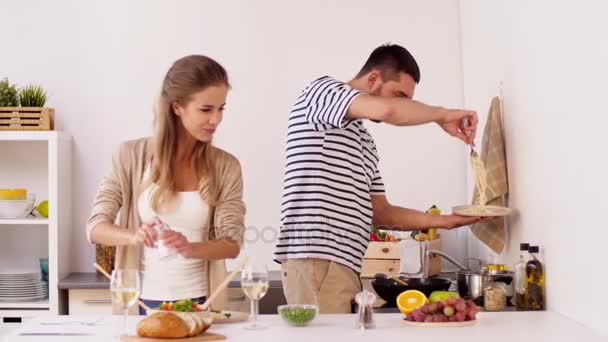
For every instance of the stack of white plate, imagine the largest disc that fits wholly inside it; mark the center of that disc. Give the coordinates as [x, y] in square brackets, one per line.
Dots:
[22, 286]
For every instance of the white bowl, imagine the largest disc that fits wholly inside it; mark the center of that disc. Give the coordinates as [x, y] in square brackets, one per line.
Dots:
[15, 209]
[298, 315]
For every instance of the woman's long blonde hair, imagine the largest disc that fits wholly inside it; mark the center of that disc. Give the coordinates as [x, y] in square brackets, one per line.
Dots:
[186, 76]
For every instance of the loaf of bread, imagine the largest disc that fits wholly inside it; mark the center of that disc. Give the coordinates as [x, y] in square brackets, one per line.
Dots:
[172, 325]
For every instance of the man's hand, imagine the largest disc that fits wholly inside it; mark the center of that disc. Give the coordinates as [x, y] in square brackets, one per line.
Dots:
[455, 221]
[461, 124]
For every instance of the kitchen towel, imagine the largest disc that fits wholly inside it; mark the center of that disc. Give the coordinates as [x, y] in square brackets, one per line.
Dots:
[493, 155]
[410, 252]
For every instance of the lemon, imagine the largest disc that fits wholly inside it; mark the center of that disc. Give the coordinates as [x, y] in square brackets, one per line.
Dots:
[43, 209]
[411, 300]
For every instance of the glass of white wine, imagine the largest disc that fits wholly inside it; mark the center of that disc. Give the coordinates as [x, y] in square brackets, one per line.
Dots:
[254, 282]
[125, 286]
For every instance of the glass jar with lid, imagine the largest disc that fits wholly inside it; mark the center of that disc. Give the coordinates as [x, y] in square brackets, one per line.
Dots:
[494, 295]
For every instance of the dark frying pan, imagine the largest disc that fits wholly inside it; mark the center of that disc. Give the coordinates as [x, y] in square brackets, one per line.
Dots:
[389, 289]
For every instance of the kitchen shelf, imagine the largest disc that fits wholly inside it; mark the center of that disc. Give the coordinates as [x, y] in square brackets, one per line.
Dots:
[42, 304]
[32, 135]
[40, 161]
[26, 221]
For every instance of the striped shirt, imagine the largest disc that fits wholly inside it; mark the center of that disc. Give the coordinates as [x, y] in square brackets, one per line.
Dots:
[331, 170]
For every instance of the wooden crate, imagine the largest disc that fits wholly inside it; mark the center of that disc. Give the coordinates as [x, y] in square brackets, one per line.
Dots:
[26, 119]
[384, 257]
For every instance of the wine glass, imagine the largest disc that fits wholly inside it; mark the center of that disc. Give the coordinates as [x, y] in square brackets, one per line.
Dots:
[125, 286]
[254, 283]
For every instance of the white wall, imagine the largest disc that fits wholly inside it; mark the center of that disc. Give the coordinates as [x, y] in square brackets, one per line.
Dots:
[102, 62]
[551, 57]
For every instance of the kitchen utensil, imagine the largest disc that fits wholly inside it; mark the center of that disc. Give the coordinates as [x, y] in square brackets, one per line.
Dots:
[15, 209]
[481, 210]
[365, 312]
[388, 289]
[206, 336]
[223, 285]
[22, 286]
[102, 271]
[471, 284]
[235, 317]
[387, 276]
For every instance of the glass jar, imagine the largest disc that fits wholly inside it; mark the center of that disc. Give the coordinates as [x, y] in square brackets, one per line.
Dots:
[494, 296]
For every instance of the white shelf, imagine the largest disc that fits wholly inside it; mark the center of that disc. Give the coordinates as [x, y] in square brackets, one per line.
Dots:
[26, 221]
[32, 135]
[42, 304]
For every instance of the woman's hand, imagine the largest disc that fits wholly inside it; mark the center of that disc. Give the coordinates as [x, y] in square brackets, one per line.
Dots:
[146, 235]
[177, 241]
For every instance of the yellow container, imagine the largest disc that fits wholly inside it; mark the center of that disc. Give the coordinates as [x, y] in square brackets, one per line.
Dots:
[13, 194]
[496, 267]
[432, 232]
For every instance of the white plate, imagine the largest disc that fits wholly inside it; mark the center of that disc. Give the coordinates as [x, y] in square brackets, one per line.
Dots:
[19, 283]
[11, 292]
[24, 295]
[23, 299]
[29, 276]
[481, 210]
[25, 286]
[37, 289]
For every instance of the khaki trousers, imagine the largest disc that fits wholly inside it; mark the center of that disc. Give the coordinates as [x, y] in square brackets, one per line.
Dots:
[325, 283]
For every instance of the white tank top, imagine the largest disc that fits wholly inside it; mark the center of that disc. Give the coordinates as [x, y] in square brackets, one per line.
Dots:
[178, 277]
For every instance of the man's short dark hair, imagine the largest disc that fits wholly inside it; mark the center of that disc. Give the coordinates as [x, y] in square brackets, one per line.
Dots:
[390, 60]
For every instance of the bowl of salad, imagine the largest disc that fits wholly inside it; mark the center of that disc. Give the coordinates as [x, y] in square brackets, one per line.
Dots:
[189, 307]
[298, 315]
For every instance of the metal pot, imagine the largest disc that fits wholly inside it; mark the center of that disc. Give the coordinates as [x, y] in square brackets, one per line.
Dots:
[472, 284]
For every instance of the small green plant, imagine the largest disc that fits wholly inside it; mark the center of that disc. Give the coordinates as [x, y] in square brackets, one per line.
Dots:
[9, 95]
[32, 96]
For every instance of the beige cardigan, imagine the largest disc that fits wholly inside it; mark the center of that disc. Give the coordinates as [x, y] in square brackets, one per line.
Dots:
[118, 192]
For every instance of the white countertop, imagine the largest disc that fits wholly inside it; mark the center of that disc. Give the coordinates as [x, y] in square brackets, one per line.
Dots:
[504, 326]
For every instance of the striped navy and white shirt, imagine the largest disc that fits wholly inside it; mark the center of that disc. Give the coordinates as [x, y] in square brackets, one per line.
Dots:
[331, 170]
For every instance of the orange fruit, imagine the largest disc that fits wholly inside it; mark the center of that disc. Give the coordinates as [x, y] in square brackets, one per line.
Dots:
[411, 300]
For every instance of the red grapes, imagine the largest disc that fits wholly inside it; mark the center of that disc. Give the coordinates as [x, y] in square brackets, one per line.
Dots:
[450, 310]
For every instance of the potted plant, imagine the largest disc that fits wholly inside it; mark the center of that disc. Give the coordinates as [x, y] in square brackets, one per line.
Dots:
[23, 110]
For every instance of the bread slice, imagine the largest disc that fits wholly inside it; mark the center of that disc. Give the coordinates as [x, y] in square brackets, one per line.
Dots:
[163, 325]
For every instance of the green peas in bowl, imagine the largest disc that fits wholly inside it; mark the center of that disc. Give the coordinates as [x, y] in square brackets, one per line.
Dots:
[298, 314]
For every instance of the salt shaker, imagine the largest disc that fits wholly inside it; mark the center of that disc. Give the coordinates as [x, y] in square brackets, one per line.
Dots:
[365, 314]
[164, 253]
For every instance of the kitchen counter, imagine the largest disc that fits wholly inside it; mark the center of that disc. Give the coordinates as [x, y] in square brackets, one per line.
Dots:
[502, 326]
[97, 281]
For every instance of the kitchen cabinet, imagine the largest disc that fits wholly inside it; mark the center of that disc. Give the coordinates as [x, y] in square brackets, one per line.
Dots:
[39, 161]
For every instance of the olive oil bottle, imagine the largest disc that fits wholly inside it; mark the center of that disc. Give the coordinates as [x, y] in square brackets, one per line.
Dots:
[520, 277]
[535, 282]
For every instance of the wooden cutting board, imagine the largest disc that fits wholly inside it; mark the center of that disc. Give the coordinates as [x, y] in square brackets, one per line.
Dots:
[207, 336]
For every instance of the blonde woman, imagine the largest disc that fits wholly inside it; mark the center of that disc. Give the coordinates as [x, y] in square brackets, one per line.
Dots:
[176, 177]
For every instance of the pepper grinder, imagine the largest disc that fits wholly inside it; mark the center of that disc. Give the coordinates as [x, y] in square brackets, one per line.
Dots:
[365, 312]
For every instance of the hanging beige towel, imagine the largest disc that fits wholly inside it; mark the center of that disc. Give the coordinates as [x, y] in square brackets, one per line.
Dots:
[494, 157]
